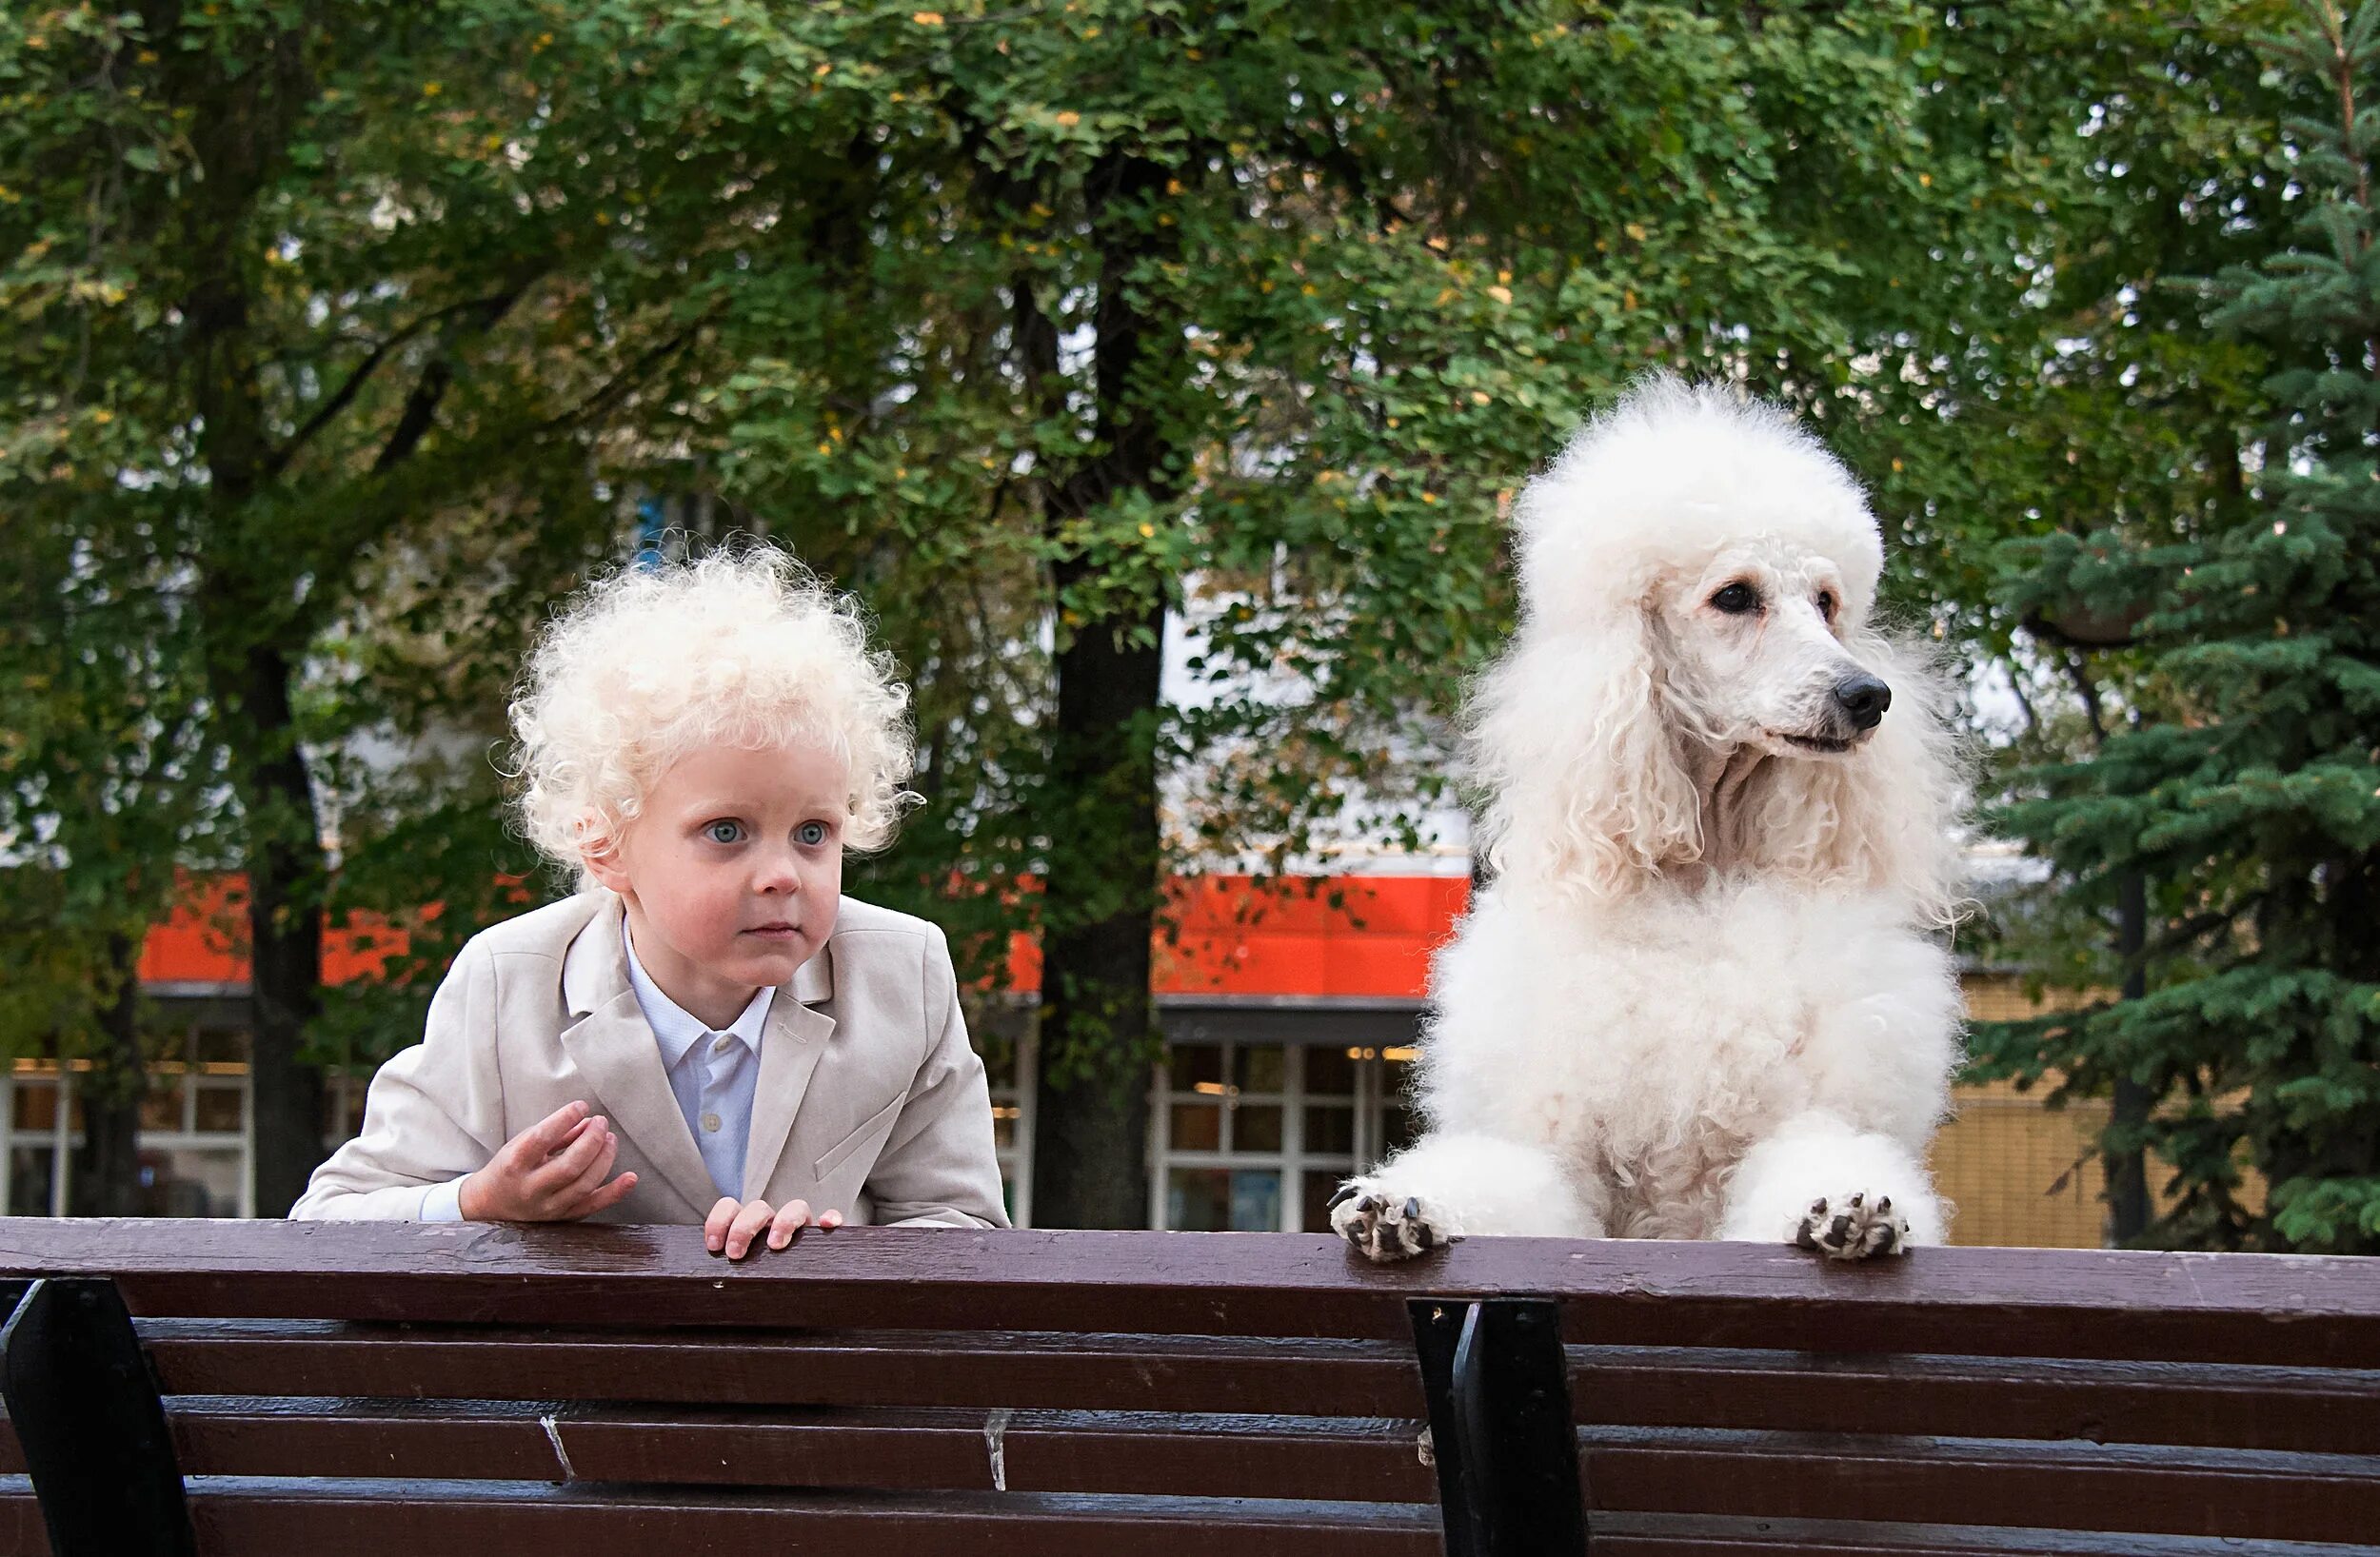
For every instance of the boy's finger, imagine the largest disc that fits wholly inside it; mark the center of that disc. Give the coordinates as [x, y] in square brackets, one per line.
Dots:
[746, 1226]
[591, 1178]
[791, 1218]
[542, 1138]
[715, 1226]
[567, 1165]
[604, 1198]
[830, 1220]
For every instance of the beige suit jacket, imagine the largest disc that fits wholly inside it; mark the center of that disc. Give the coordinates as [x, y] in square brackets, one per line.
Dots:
[869, 1100]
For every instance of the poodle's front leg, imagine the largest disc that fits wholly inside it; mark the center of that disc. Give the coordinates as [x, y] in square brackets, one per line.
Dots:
[1450, 1186]
[1820, 1184]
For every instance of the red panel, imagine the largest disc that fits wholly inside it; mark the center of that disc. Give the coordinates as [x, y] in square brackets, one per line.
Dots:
[205, 940]
[1236, 936]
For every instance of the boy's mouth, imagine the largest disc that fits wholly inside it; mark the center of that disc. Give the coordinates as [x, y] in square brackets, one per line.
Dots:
[775, 931]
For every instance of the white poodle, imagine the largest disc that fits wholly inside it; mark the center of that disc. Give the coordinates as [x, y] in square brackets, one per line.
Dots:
[1700, 999]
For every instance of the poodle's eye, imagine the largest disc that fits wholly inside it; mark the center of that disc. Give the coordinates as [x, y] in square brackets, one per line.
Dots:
[1826, 604]
[1737, 599]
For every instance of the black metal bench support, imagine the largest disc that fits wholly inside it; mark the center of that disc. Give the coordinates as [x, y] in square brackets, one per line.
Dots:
[1500, 1427]
[92, 1425]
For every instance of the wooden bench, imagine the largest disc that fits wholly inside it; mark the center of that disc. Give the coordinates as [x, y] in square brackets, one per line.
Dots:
[396, 1390]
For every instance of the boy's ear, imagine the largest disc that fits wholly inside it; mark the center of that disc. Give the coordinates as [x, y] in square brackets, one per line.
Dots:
[600, 852]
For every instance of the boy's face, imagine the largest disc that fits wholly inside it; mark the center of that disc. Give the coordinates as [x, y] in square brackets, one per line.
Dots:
[732, 871]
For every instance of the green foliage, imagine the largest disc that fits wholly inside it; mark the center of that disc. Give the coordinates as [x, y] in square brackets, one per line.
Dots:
[2250, 794]
[380, 325]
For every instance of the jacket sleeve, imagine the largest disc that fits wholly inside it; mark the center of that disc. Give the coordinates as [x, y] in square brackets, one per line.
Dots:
[434, 1112]
[938, 1167]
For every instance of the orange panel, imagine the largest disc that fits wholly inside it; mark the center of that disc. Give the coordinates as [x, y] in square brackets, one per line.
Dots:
[1235, 937]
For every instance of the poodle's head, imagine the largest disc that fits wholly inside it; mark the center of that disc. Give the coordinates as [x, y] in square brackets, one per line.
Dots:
[1696, 579]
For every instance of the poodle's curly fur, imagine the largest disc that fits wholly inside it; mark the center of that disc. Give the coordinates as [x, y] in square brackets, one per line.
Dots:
[1703, 996]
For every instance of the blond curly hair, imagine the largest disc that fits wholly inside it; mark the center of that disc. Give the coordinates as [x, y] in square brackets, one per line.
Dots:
[742, 647]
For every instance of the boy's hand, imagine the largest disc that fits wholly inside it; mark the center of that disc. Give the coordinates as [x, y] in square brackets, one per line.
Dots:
[552, 1171]
[733, 1224]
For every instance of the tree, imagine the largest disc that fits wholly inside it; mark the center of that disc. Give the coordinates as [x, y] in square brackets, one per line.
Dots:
[107, 766]
[1041, 328]
[2254, 802]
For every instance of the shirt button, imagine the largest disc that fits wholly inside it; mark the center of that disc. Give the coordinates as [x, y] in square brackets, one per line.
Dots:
[711, 1122]
[721, 1047]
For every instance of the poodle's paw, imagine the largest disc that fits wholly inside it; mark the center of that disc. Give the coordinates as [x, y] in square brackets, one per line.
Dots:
[1384, 1225]
[1854, 1226]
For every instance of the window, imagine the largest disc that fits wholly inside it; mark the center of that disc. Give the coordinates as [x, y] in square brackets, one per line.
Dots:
[1255, 1137]
[1008, 1067]
[195, 1130]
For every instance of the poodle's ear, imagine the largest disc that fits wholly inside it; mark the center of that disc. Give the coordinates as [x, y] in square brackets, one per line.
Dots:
[1881, 822]
[1569, 736]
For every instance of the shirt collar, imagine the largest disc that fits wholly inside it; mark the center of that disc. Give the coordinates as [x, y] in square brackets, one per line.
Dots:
[679, 1029]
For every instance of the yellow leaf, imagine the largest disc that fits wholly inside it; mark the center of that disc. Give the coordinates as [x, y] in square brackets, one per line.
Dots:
[1478, 397]
[926, 18]
[1636, 230]
[1926, 179]
[1069, 119]
[1628, 297]
[1148, 532]
[431, 88]
[1502, 294]
[1429, 497]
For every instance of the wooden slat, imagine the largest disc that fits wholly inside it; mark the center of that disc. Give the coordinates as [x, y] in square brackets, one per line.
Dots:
[1356, 1460]
[2266, 1308]
[860, 1368]
[2130, 1488]
[237, 1517]
[2334, 1410]
[1705, 1535]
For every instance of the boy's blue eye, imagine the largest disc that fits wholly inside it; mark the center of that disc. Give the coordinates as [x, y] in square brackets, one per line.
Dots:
[811, 832]
[724, 832]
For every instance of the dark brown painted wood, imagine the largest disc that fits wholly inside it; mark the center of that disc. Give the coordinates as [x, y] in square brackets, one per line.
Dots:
[240, 1518]
[1366, 1460]
[2266, 1308]
[393, 1387]
[759, 1368]
[2118, 1487]
[1704, 1535]
[2335, 1410]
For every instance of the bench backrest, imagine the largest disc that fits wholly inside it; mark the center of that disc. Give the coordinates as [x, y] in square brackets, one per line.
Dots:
[370, 1389]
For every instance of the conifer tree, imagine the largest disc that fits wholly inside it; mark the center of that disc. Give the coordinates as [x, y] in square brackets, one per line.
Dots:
[2252, 803]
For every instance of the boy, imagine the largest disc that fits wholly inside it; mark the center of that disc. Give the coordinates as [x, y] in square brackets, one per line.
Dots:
[701, 743]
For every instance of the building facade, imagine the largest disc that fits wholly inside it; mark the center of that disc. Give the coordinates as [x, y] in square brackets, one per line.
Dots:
[1291, 1019]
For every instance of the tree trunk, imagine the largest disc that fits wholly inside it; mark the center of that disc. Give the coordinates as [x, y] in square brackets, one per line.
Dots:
[2127, 1170]
[285, 915]
[254, 634]
[1098, 1031]
[105, 1178]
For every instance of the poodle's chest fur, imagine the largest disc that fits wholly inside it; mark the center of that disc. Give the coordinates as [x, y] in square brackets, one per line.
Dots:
[1650, 1042]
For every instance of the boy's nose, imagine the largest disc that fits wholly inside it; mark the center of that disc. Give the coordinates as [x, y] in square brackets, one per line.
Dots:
[778, 875]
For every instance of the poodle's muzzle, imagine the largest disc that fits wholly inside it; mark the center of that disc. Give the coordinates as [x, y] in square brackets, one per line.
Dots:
[1854, 707]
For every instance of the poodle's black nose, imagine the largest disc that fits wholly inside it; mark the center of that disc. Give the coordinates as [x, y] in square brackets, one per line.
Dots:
[1863, 699]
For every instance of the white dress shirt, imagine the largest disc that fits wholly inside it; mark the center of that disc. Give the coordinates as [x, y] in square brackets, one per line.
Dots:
[712, 1074]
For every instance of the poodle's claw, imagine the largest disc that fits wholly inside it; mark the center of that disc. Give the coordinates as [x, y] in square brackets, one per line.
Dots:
[1857, 1231]
[1380, 1228]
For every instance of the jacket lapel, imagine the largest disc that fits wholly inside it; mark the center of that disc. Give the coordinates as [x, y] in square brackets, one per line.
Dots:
[792, 1041]
[613, 1048]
